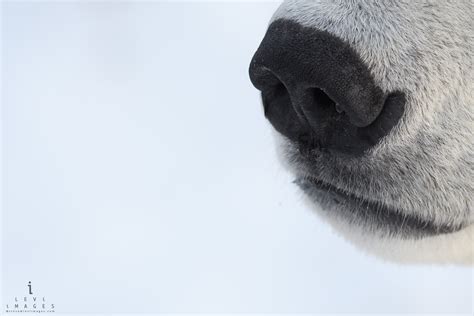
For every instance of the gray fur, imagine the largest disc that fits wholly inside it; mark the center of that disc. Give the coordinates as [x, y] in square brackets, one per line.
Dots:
[425, 167]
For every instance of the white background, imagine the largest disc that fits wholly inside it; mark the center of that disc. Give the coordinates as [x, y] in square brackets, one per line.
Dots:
[139, 174]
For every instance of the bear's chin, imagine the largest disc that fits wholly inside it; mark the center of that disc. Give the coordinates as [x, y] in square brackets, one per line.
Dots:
[386, 232]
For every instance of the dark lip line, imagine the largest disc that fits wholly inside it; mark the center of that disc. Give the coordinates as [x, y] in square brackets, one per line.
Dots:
[387, 217]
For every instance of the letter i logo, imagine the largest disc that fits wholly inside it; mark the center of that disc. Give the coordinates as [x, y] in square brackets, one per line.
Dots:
[29, 288]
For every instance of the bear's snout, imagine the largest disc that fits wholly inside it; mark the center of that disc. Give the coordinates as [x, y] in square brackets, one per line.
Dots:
[317, 91]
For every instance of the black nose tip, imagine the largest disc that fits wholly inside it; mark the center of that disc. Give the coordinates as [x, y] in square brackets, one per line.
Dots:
[316, 90]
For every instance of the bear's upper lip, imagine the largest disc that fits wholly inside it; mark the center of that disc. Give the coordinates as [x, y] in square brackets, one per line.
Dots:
[375, 215]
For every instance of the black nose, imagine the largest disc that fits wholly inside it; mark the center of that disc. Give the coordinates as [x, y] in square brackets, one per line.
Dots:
[317, 91]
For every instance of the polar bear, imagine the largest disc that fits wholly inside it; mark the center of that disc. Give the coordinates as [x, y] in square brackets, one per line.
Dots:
[372, 102]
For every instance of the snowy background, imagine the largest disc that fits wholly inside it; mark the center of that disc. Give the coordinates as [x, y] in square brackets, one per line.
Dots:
[139, 174]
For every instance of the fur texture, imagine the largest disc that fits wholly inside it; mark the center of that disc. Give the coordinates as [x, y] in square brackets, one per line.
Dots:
[424, 168]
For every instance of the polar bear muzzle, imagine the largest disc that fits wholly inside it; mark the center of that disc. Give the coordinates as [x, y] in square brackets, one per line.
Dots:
[373, 104]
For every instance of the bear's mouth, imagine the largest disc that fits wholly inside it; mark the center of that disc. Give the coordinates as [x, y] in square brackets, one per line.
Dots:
[372, 215]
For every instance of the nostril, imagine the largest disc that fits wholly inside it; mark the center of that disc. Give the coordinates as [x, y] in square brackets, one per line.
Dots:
[275, 94]
[278, 90]
[271, 87]
[278, 106]
[274, 91]
[322, 99]
[320, 108]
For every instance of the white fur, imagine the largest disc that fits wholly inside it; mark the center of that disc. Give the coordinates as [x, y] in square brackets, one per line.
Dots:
[455, 248]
